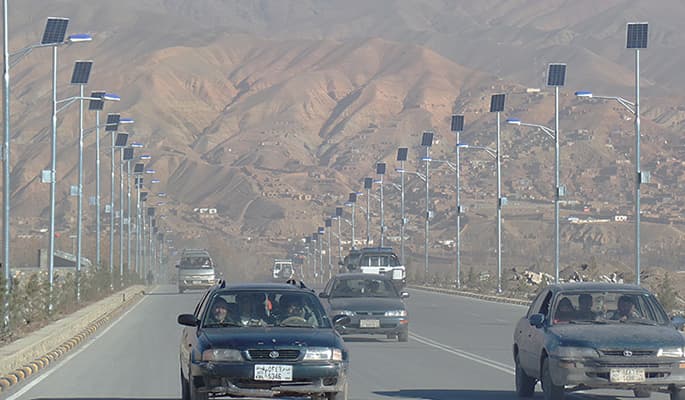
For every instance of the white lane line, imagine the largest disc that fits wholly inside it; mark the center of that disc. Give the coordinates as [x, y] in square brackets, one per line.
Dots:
[63, 362]
[464, 354]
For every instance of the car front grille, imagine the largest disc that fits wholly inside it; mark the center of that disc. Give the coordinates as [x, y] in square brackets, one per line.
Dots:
[624, 352]
[268, 354]
[377, 313]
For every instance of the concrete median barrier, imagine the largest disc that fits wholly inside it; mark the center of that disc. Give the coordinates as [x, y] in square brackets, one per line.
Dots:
[28, 355]
[488, 297]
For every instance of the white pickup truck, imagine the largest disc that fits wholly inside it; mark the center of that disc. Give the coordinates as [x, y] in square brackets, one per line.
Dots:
[381, 260]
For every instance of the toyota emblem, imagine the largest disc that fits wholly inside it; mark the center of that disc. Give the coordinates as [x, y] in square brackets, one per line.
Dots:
[627, 353]
[274, 354]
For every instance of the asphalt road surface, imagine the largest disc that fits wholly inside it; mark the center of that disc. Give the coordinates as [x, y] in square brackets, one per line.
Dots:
[459, 348]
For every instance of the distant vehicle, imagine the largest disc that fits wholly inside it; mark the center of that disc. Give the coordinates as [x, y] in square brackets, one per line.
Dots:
[282, 269]
[195, 270]
[372, 302]
[377, 260]
[262, 340]
[580, 336]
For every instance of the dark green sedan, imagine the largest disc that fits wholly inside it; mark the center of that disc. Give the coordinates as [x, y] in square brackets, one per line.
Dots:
[262, 340]
[581, 336]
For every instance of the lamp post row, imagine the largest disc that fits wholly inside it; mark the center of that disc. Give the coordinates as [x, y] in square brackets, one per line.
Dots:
[637, 34]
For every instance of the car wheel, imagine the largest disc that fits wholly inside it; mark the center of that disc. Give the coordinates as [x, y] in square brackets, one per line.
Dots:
[525, 385]
[185, 390]
[403, 336]
[341, 395]
[194, 394]
[677, 394]
[642, 393]
[549, 389]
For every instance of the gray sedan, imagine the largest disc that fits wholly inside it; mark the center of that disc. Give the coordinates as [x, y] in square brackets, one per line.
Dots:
[372, 302]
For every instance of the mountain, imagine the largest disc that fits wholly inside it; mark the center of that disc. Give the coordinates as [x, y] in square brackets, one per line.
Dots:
[273, 111]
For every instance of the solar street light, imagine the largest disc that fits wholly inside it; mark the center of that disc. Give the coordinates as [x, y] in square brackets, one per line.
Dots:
[457, 126]
[402, 157]
[368, 184]
[427, 142]
[380, 170]
[497, 106]
[351, 202]
[636, 38]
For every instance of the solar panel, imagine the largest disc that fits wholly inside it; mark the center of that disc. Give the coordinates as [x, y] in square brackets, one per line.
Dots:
[55, 29]
[328, 223]
[338, 211]
[151, 213]
[321, 230]
[368, 183]
[637, 35]
[427, 139]
[457, 123]
[402, 154]
[556, 75]
[380, 168]
[128, 154]
[143, 195]
[138, 168]
[81, 72]
[497, 102]
[97, 105]
[139, 182]
[112, 123]
[121, 140]
[352, 198]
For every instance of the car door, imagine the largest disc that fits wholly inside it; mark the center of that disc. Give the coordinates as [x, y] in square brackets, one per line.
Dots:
[537, 336]
[189, 336]
[526, 334]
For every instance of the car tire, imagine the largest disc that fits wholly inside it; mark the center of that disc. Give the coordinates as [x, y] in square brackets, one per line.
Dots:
[677, 394]
[403, 336]
[341, 395]
[194, 394]
[549, 389]
[525, 385]
[185, 390]
[642, 393]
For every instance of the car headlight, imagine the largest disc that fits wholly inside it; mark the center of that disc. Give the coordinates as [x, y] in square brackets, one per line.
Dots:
[575, 352]
[677, 352]
[396, 313]
[322, 354]
[345, 312]
[222, 355]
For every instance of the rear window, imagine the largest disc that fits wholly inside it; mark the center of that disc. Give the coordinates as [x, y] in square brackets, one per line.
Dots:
[196, 262]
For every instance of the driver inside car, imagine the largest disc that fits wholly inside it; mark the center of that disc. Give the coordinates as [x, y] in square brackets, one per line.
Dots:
[293, 311]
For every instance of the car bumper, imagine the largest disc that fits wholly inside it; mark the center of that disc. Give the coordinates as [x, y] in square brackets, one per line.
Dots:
[196, 284]
[386, 325]
[659, 373]
[237, 379]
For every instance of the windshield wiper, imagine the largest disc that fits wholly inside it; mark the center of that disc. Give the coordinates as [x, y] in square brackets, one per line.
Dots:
[639, 322]
[296, 325]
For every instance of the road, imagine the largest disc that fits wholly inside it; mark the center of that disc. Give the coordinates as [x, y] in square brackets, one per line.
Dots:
[459, 348]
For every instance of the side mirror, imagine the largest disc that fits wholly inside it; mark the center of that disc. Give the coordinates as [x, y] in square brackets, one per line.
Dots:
[341, 319]
[404, 295]
[188, 320]
[537, 320]
[323, 295]
[678, 321]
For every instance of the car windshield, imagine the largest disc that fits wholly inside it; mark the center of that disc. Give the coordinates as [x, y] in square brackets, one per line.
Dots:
[607, 307]
[196, 262]
[264, 308]
[363, 287]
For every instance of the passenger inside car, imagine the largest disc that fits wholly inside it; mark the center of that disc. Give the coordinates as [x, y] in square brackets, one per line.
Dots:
[625, 309]
[585, 311]
[565, 311]
[248, 309]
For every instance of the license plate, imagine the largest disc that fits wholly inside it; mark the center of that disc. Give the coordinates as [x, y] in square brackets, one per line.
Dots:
[197, 282]
[369, 323]
[266, 372]
[627, 375]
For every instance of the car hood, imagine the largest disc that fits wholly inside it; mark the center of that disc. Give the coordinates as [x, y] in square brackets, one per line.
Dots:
[245, 338]
[366, 303]
[619, 335]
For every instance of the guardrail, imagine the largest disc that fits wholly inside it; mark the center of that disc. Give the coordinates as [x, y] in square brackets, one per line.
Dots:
[488, 297]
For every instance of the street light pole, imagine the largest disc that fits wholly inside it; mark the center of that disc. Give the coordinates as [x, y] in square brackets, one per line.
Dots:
[497, 106]
[380, 170]
[338, 215]
[368, 183]
[402, 157]
[427, 142]
[457, 126]
[6, 171]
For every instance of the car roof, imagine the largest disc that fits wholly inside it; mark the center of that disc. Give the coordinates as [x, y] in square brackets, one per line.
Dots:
[361, 275]
[264, 286]
[596, 286]
[377, 250]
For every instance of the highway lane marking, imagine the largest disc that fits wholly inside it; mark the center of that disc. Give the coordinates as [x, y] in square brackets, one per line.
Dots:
[60, 364]
[464, 354]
